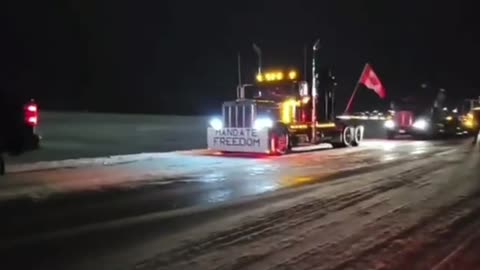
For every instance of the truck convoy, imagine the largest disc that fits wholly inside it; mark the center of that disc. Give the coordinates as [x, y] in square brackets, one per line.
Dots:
[281, 111]
[423, 118]
[18, 132]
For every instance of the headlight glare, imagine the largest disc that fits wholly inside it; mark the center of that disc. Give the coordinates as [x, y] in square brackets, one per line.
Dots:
[216, 123]
[420, 124]
[390, 124]
[263, 122]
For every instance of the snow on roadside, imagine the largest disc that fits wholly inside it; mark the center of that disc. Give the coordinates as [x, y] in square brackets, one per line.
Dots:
[132, 171]
[84, 162]
[120, 159]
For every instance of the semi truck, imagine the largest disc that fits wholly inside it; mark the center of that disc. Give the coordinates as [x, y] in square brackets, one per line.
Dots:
[423, 117]
[280, 110]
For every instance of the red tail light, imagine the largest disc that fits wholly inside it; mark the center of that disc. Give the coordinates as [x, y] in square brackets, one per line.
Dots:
[31, 114]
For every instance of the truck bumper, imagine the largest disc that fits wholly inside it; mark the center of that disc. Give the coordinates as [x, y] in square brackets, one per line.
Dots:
[430, 132]
[246, 140]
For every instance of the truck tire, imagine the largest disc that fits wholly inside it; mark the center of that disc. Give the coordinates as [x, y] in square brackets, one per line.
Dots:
[345, 137]
[348, 136]
[357, 135]
[281, 141]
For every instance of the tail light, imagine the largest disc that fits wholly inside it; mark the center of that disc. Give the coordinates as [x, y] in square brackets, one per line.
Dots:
[31, 113]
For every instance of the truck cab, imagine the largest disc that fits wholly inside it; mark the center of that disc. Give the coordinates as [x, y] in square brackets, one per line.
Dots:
[422, 117]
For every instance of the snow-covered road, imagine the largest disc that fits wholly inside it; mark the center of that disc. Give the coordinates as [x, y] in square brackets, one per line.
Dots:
[412, 216]
[379, 206]
[247, 175]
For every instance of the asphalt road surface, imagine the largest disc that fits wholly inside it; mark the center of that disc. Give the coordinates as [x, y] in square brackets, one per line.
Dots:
[385, 205]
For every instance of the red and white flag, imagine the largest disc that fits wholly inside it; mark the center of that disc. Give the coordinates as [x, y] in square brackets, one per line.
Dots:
[370, 79]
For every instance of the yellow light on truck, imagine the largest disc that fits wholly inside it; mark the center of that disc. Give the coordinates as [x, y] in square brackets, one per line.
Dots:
[469, 123]
[449, 118]
[298, 126]
[288, 110]
[276, 76]
[326, 125]
[292, 75]
[279, 76]
[305, 100]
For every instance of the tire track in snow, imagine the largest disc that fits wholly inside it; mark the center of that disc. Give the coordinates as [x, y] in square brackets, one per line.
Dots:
[441, 236]
[379, 233]
[419, 247]
[328, 252]
[287, 219]
[316, 249]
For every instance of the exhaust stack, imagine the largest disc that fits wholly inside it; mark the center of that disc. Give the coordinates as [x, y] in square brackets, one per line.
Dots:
[258, 51]
[316, 47]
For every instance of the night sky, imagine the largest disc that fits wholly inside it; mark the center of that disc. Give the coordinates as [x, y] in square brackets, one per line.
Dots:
[179, 57]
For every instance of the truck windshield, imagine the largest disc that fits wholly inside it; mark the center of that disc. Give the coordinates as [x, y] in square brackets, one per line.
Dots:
[415, 105]
[272, 91]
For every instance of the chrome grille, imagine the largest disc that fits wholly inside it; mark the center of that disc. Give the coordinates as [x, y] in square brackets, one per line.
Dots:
[404, 118]
[240, 114]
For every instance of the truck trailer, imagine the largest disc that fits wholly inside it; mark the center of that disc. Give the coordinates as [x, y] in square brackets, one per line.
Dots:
[280, 111]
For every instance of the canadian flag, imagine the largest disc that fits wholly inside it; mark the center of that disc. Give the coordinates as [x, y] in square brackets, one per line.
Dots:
[370, 79]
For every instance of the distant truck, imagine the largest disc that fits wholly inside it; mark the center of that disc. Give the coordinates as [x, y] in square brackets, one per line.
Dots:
[18, 126]
[279, 111]
[423, 118]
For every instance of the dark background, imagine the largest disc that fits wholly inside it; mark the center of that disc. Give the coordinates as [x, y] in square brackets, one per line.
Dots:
[179, 57]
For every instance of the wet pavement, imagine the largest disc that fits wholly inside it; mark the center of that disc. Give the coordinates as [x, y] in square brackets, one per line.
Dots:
[37, 204]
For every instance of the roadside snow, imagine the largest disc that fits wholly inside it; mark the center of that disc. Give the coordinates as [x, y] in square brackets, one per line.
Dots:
[84, 162]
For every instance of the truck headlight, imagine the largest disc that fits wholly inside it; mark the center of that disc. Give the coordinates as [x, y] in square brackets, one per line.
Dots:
[261, 123]
[390, 124]
[421, 124]
[216, 123]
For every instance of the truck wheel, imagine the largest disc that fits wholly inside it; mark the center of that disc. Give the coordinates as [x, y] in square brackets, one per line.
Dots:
[357, 135]
[345, 137]
[281, 143]
[348, 136]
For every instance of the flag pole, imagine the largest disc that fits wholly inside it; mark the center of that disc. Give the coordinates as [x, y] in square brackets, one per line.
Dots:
[355, 90]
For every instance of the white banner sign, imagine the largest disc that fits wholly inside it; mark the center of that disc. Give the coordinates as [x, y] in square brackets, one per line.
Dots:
[238, 140]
